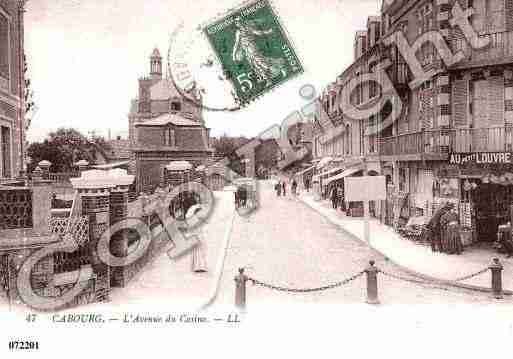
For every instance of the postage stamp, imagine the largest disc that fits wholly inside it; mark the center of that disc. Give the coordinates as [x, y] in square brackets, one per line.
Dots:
[254, 50]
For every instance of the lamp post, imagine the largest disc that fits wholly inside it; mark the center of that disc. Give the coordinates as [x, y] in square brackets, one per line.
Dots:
[246, 161]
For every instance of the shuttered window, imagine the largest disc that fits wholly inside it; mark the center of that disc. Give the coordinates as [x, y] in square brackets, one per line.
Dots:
[496, 16]
[480, 104]
[459, 102]
[489, 16]
[496, 101]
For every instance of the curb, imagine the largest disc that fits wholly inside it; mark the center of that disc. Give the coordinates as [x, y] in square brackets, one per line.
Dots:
[428, 277]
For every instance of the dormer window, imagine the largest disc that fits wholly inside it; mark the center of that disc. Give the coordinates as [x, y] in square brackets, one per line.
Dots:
[176, 106]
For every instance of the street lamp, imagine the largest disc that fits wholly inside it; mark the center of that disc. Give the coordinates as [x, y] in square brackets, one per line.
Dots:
[246, 161]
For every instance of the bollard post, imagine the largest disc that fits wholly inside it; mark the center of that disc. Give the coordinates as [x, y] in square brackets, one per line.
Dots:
[372, 283]
[496, 268]
[240, 289]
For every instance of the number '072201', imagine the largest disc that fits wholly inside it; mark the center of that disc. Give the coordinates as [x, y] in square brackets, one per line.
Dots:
[23, 345]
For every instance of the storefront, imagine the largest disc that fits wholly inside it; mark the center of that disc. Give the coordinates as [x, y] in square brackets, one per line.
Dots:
[337, 180]
[483, 183]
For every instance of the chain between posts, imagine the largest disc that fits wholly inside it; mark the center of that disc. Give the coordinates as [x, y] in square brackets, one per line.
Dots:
[418, 281]
[482, 271]
[306, 290]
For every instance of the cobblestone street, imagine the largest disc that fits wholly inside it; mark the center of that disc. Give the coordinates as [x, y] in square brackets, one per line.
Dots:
[287, 244]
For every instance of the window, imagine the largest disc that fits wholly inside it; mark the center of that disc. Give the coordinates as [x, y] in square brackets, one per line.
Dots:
[348, 140]
[372, 137]
[4, 52]
[402, 179]
[176, 106]
[362, 138]
[425, 17]
[489, 16]
[5, 152]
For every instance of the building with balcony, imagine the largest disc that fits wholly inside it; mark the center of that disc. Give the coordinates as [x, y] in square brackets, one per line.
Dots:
[431, 152]
[11, 88]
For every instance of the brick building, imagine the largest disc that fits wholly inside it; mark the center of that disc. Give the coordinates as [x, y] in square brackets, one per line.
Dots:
[461, 108]
[163, 127]
[11, 88]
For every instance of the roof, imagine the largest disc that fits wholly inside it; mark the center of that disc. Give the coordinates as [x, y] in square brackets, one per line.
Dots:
[169, 118]
[111, 165]
[373, 19]
[13, 239]
[119, 149]
[179, 166]
[155, 53]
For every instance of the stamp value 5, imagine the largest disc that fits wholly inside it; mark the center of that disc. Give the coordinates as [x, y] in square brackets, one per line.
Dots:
[253, 49]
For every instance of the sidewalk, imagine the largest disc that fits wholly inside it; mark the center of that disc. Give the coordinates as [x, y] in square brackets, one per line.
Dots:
[416, 257]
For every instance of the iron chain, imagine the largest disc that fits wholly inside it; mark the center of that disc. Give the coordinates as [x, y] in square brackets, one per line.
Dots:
[411, 280]
[461, 279]
[306, 290]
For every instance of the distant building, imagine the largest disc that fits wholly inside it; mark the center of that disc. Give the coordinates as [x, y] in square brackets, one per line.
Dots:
[163, 128]
[11, 88]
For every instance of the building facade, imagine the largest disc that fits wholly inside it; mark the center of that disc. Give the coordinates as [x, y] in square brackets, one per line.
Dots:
[164, 127]
[11, 88]
[461, 108]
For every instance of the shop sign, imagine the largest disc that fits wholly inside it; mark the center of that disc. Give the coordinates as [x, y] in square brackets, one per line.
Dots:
[481, 158]
[366, 188]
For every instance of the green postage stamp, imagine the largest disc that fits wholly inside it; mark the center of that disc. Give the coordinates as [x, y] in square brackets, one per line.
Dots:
[253, 49]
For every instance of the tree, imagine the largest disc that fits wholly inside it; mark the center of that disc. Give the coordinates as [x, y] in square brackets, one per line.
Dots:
[28, 96]
[64, 147]
[225, 145]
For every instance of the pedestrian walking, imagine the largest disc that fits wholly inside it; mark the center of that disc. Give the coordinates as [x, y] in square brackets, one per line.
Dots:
[334, 197]
[340, 197]
[278, 189]
[434, 230]
[284, 188]
[198, 264]
[294, 187]
[449, 222]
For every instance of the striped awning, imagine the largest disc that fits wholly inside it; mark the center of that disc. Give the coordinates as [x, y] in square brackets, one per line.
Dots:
[324, 161]
[347, 172]
[305, 170]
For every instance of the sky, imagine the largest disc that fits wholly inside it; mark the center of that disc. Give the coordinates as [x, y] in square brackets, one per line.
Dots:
[85, 57]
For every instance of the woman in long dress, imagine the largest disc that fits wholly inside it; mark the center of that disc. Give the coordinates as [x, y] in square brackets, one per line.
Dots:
[266, 68]
[199, 262]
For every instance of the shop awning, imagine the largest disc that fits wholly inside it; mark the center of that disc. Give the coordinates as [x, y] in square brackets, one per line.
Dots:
[324, 161]
[328, 172]
[305, 170]
[348, 172]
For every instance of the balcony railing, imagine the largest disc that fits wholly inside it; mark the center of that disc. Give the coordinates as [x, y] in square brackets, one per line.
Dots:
[499, 49]
[63, 177]
[444, 141]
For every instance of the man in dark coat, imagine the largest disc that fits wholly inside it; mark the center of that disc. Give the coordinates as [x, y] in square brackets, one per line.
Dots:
[434, 230]
[449, 223]
[294, 187]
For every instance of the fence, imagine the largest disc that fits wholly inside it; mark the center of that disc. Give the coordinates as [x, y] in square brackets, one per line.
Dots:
[443, 141]
[372, 279]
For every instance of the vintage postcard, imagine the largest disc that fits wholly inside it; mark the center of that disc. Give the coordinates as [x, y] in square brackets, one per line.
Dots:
[262, 178]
